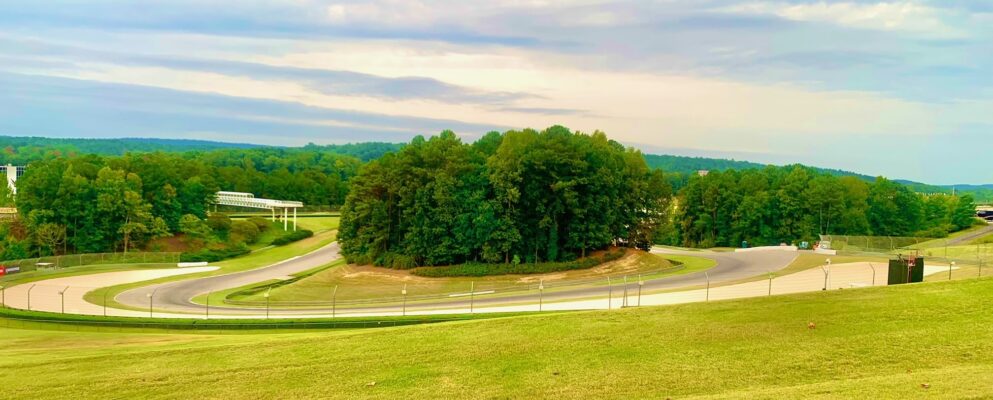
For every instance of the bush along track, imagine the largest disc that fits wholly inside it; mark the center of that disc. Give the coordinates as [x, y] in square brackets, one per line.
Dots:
[478, 269]
[292, 237]
[215, 255]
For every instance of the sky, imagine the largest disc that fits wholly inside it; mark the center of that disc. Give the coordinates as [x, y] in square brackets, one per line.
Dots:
[898, 88]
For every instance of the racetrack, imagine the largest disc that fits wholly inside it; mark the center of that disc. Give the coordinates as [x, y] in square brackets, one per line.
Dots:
[176, 297]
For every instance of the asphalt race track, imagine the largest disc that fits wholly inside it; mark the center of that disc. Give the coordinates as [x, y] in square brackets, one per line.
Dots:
[177, 296]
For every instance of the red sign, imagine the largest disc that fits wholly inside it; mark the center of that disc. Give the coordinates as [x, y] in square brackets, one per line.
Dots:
[3, 270]
[911, 262]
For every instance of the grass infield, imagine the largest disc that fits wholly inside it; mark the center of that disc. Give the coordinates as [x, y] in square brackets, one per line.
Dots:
[930, 340]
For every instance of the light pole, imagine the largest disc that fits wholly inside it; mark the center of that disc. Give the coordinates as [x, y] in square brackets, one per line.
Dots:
[266, 295]
[640, 284]
[826, 272]
[610, 294]
[770, 283]
[472, 295]
[105, 292]
[950, 267]
[207, 309]
[404, 293]
[151, 298]
[334, 300]
[541, 288]
[3, 297]
[708, 285]
[62, 295]
[873, 274]
[624, 301]
[29, 296]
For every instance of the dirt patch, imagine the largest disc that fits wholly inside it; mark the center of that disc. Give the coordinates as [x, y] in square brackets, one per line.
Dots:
[371, 272]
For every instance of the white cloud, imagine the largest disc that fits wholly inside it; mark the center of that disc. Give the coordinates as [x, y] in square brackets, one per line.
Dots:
[906, 16]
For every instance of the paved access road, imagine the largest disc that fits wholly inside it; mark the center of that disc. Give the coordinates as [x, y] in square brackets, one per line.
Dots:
[177, 296]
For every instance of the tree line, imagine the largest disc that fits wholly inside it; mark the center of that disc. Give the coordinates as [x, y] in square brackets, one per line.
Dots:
[520, 196]
[789, 204]
[92, 203]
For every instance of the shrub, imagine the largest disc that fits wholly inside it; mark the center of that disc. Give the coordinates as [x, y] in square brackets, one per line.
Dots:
[478, 269]
[214, 255]
[219, 222]
[244, 231]
[261, 223]
[292, 237]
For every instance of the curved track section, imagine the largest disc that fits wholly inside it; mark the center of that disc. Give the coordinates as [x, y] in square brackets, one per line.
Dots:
[178, 296]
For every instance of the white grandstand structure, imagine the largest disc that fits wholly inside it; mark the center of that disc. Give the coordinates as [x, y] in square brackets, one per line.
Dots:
[248, 200]
[13, 172]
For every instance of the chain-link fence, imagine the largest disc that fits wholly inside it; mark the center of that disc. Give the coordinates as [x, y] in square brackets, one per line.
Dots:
[950, 249]
[75, 260]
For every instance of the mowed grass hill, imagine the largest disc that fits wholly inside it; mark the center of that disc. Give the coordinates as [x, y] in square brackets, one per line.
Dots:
[932, 340]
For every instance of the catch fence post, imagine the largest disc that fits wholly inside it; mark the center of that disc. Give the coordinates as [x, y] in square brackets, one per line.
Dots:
[472, 295]
[873, 274]
[206, 314]
[404, 292]
[770, 283]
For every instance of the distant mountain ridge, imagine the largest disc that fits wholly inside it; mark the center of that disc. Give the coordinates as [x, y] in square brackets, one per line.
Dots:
[21, 150]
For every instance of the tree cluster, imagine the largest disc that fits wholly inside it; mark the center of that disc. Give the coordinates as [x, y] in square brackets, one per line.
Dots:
[789, 204]
[92, 203]
[525, 196]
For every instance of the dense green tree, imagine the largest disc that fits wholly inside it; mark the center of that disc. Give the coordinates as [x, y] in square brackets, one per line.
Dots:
[791, 204]
[534, 196]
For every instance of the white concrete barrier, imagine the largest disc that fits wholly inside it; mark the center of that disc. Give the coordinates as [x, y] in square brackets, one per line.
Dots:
[768, 248]
[826, 252]
[192, 264]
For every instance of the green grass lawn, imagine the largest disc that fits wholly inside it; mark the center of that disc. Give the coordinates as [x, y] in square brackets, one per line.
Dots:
[914, 341]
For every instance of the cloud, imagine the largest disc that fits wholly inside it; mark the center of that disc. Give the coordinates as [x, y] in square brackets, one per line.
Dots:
[50, 106]
[331, 82]
[803, 80]
[890, 16]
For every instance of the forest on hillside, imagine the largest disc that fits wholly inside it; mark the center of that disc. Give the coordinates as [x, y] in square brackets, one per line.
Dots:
[521, 196]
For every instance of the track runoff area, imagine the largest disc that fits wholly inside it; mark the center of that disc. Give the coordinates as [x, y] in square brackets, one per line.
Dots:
[739, 274]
